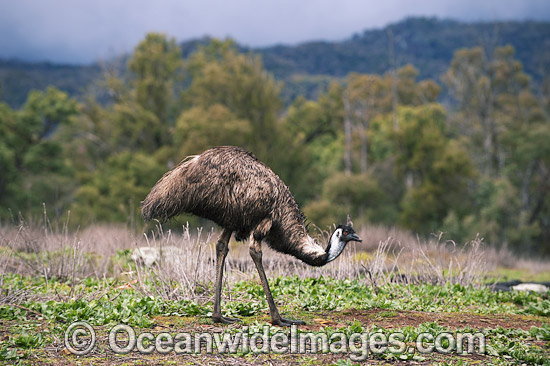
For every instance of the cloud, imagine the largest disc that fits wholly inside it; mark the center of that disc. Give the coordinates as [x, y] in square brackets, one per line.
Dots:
[84, 31]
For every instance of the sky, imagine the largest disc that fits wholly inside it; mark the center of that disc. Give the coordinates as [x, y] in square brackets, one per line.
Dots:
[84, 31]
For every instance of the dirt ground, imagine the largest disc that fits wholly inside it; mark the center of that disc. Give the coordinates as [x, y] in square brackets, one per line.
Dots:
[396, 319]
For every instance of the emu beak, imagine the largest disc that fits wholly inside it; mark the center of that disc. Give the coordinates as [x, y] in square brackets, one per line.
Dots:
[353, 237]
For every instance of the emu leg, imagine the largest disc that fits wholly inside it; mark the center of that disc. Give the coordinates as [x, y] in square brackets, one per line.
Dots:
[222, 248]
[276, 319]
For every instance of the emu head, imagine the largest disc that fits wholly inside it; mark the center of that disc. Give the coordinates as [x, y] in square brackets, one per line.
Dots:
[341, 236]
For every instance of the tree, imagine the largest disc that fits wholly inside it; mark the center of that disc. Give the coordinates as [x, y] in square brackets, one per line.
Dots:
[31, 157]
[198, 129]
[134, 128]
[114, 190]
[483, 88]
[437, 168]
[10, 177]
[220, 75]
[497, 111]
[43, 112]
[371, 192]
[139, 114]
[371, 96]
[313, 138]
[155, 64]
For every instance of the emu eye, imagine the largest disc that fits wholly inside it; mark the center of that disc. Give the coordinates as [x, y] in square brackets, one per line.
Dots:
[345, 233]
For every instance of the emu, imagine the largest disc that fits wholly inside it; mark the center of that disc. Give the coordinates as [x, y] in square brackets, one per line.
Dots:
[231, 187]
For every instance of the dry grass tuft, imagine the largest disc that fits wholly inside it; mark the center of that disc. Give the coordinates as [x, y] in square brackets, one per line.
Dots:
[186, 268]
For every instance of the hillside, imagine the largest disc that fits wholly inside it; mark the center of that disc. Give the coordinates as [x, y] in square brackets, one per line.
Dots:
[427, 43]
[17, 78]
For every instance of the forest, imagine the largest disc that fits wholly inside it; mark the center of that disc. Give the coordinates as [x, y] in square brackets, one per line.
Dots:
[382, 147]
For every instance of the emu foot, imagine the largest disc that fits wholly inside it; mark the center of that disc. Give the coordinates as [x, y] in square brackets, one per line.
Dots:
[282, 322]
[224, 320]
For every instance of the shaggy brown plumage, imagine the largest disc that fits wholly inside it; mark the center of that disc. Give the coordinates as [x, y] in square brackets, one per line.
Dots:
[231, 187]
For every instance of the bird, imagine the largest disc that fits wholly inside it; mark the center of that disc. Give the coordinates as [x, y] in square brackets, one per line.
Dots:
[231, 187]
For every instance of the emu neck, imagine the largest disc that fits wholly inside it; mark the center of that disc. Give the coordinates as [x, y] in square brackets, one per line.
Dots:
[335, 247]
[313, 254]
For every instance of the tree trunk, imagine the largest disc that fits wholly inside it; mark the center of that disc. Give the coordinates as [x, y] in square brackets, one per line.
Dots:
[347, 131]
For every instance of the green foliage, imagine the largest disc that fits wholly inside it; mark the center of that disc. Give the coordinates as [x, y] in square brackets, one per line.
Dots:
[115, 189]
[542, 333]
[436, 169]
[512, 344]
[331, 297]
[134, 128]
[198, 129]
[540, 308]
[222, 76]
[358, 195]
[313, 141]
[31, 157]
[43, 112]
[27, 341]
[113, 307]
[155, 62]
[10, 178]
[243, 309]
[308, 120]
[503, 125]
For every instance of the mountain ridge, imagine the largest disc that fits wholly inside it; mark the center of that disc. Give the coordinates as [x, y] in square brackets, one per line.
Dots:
[428, 43]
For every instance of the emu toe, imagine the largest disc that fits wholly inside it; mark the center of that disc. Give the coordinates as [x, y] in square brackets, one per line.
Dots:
[224, 320]
[282, 322]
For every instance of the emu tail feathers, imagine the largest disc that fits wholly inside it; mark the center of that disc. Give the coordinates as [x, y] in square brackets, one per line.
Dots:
[166, 197]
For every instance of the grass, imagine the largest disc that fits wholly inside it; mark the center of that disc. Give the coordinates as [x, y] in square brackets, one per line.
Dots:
[311, 298]
[52, 278]
[525, 274]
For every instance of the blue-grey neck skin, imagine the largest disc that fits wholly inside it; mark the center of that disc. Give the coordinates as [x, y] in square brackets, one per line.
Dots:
[336, 245]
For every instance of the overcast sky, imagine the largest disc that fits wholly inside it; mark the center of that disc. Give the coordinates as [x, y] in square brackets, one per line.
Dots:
[83, 31]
